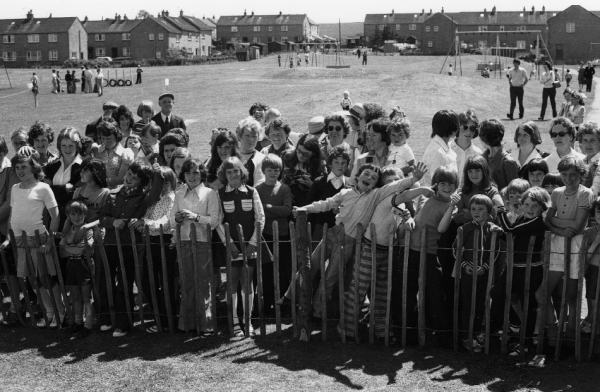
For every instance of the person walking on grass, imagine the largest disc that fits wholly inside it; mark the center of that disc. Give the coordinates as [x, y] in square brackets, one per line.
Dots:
[138, 72]
[517, 79]
[99, 80]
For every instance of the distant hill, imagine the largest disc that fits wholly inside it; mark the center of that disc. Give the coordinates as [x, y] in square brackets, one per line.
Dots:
[348, 29]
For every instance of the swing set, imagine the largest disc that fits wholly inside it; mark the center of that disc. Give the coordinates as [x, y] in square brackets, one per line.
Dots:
[296, 55]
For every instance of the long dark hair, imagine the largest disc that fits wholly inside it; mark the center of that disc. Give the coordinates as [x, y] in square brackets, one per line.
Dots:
[476, 162]
[315, 165]
[222, 137]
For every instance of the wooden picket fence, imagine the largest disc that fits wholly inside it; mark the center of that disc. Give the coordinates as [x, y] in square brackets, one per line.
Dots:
[301, 286]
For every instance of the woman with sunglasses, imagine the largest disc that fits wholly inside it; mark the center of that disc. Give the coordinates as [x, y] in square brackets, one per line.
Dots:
[527, 138]
[336, 130]
[463, 145]
[562, 132]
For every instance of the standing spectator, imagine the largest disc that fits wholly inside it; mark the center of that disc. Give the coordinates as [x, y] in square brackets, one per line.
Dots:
[258, 110]
[588, 74]
[116, 158]
[517, 79]
[278, 131]
[301, 167]
[377, 143]
[166, 120]
[336, 130]
[138, 73]
[568, 77]
[503, 168]
[248, 131]
[99, 80]
[527, 138]
[83, 84]
[576, 111]
[68, 80]
[438, 152]
[562, 132]
[463, 145]
[588, 137]
[581, 76]
[108, 111]
[548, 80]
[55, 86]
[124, 119]
[40, 136]
[145, 112]
[89, 76]
[223, 146]
[364, 61]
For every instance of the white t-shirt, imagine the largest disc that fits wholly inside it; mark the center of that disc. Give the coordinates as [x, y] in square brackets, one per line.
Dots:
[401, 155]
[27, 207]
[553, 159]
[437, 154]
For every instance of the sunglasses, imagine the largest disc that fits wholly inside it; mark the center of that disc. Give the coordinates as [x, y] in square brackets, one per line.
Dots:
[558, 134]
[336, 128]
[472, 127]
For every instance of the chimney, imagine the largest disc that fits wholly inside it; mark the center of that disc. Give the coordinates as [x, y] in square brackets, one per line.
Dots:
[524, 10]
[125, 17]
[543, 9]
[485, 12]
[85, 19]
[116, 16]
[532, 10]
[166, 13]
[30, 15]
[430, 11]
[252, 14]
[280, 13]
[422, 11]
[392, 11]
[181, 13]
[245, 12]
[50, 16]
[494, 10]
[442, 10]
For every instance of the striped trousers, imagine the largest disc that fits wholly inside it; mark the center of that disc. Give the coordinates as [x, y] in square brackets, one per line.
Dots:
[363, 275]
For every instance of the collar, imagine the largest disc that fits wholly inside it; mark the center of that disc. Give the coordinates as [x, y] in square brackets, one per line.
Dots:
[118, 150]
[441, 142]
[241, 188]
[164, 116]
[77, 160]
[196, 189]
[4, 164]
[332, 176]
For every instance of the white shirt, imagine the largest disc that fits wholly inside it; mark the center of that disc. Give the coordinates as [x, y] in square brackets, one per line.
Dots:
[553, 159]
[437, 154]
[401, 155]
[63, 174]
[534, 154]
[165, 117]
[463, 155]
[336, 181]
[547, 79]
[517, 77]
[202, 201]
[27, 208]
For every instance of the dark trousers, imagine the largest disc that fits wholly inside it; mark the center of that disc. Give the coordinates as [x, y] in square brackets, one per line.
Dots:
[588, 84]
[518, 295]
[466, 292]
[548, 93]
[138, 79]
[516, 93]
[285, 270]
[119, 288]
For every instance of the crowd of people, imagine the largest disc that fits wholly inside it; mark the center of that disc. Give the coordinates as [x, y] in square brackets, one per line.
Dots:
[353, 168]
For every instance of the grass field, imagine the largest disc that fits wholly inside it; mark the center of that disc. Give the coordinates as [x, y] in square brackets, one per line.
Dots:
[220, 95]
[210, 96]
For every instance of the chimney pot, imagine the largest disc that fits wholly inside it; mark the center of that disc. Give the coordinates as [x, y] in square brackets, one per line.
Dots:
[181, 13]
[30, 15]
[442, 10]
[532, 10]
[245, 12]
[252, 14]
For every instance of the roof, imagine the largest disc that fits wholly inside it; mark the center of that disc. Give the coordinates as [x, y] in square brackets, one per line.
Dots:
[200, 24]
[465, 18]
[180, 23]
[36, 25]
[165, 25]
[108, 26]
[393, 18]
[250, 20]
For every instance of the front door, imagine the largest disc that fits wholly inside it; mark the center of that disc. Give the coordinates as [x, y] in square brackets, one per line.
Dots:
[114, 52]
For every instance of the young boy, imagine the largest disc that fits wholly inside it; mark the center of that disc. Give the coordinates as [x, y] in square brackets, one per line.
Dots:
[327, 186]
[503, 167]
[481, 208]
[166, 120]
[276, 199]
[401, 154]
[346, 101]
[146, 112]
[512, 198]
[536, 169]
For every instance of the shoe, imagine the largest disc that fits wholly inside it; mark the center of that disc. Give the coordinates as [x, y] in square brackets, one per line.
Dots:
[119, 333]
[105, 327]
[510, 117]
[251, 331]
[41, 323]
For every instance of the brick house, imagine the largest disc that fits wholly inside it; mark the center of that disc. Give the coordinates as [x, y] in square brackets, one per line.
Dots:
[402, 27]
[266, 28]
[571, 34]
[31, 41]
[111, 37]
[438, 34]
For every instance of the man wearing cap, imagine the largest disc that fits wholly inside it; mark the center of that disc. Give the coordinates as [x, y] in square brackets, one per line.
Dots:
[166, 120]
[517, 79]
[138, 71]
[108, 109]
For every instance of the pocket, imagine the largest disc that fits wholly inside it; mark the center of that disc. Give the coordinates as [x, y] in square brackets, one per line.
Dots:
[247, 205]
[229, 207]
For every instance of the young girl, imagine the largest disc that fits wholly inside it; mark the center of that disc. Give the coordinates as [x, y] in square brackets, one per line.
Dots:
[552, 181]
[512, 199]
[481, 208]
[401, 154]
[576, 111]
[76, 247]
[241, 205]
[566, 219]
[195, 204]
[588, 137]
[146, 112]
[134, 143]
[28, 199]
[301, 167]
[534, 202]
[535, 171]
[116, 158]
[224, 145]
[566, 105]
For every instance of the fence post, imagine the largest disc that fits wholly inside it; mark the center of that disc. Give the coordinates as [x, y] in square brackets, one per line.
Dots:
[563, 310]
[21, 282]
[33, 275]
[276, 276]
[541, 315]
[422, 288]
[526, 293]
[56, 261]
[108, 281]
[246, 281]
[510, 251]
[373, 284]
[582, 262]
[229, 286]
[212, 322]
[304, 281]
[197, 294]
[341, 240]
[388, 294]
[124, 277]
[151, 279]
[357, 254]
[594, 317]
[474, 276]
[45, 277]
[488, 292]
[138, 277]
[259, 281]
[323, 285]
[165, 283]
[407, 235]
[456, 273]
[293, 281]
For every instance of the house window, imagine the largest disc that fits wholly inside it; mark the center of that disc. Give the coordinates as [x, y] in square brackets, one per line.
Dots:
[397, 27]
[501, 28]
[482, 28]
[284, 28]
[430, 44]
[256, 28]
[158, 54]
[436, 29]
[33, 38]
[412, 27]
[234, 29]
[74, 55]
[284, 39]
[150, 36]
[521, 28]
[52, 37]
[99, 37]
[161, 36]
[8, 39]
[53, 55]
[189, 36]
[380, 27]
[270, 28]
[521, 44]
[100, 52]
[570, 27]
[126, 52]
[9, 56]
[482, 44]
[427, 29]
[34, 55]
[126, 37]
[255, 40]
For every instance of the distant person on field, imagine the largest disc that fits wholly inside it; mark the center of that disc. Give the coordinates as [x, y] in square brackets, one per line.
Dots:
[358, 53]
[89, 86]
[568, 77]
[346, 101]
[35, 87]
[54, 82]
[138, 71]
[83, 84]
[581, 76]
[517, 79]
[279, 60]
[588, 74]
[99, 80]
[364, 62]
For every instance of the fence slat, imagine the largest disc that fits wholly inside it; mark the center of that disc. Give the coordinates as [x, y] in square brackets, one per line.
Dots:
[563, 299]
[474, 276]
[457, 273]
[357, 255]
[293, 281]
[341, 270]
[151, 280]
[542, 312]
[212, 321]
[488, 291]
[44, 276]
[33, 276]
[594, 333]
[422, 288]
[277, 294]
[304, 282]
[229, 284]
[108, 281]
[138, 277]
[388, 294]
[526, 293]
[323, 286]
[510, 251]
[373, 284]
[14, 297]
[406, 254]
[259, 281]
[59, 274]
[197, 289]
[582, 263]
[21, 281]
[245, 281]
[124, 276]
[165, 282]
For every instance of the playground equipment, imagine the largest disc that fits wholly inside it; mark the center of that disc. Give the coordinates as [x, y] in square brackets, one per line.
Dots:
[116, 81]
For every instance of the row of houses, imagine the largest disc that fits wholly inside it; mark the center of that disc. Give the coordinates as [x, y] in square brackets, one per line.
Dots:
[570, 35]
[33, 41]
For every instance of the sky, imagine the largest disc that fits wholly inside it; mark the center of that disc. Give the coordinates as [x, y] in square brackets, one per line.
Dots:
[328, 11]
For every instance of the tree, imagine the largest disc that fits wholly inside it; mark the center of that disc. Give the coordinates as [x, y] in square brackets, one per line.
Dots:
[143, 14]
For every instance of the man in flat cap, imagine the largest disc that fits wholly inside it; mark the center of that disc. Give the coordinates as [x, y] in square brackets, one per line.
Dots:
[108, 109]
[166, 120]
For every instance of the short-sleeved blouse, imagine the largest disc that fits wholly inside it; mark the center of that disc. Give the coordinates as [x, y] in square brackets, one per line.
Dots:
[567, 205]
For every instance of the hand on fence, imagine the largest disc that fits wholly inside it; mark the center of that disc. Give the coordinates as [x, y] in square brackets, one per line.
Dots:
[569, 232]
[119, 224]
[295, 211]
[235, 252]
[137, 224]
[420, 170]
